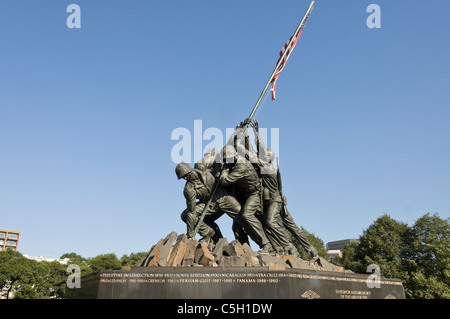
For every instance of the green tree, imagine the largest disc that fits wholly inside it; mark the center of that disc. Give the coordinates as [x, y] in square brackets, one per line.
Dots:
[78, 260]
[73, 257]
[134, 259]
[52, 277]
[104, 262]
[28, 279]
[383, 244]
[417, 255]
[42, 281]
[352, 258]
[16, 272]
[427, 258]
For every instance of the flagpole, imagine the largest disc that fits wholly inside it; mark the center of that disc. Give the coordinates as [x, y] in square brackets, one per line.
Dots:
[302, 23]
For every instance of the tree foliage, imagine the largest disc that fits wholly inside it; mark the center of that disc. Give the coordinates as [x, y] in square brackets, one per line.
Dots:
[25, 278]
[28, 279]
[104, 262]
[428, 258]
[418, 255]
[135, 259]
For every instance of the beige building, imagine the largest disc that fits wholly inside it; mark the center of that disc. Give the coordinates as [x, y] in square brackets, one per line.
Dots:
[335, 248]
[9, 239]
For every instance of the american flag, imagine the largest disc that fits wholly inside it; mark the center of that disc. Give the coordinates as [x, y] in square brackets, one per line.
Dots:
[289, 46]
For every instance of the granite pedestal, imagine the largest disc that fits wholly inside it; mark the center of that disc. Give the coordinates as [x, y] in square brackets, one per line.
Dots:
[231, 283]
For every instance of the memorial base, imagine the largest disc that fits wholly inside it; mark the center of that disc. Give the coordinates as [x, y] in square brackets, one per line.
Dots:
[232, 283]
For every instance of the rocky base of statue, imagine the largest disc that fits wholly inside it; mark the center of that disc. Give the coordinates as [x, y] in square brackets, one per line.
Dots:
[182, 269]
[179, 251]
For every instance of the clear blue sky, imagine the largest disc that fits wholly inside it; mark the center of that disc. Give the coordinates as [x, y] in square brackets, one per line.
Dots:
[86, 115]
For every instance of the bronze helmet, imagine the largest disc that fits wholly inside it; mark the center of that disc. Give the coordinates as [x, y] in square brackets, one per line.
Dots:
[182, 170]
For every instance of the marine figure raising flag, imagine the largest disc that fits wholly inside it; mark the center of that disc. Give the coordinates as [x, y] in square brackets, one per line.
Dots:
[284, 55]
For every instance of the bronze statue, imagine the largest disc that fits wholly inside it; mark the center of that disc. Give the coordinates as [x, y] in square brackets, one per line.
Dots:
[244, 184]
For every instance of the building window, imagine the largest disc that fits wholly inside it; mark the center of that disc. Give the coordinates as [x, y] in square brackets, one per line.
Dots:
[12, 236]
[11, 243]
